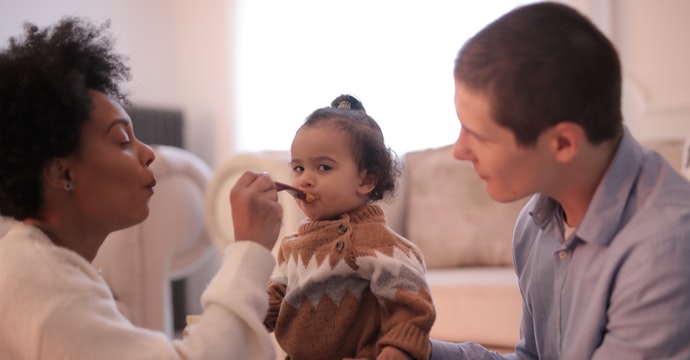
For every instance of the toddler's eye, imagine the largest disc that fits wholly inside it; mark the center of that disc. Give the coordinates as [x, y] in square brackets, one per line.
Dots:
[298, 168]
[324, 167]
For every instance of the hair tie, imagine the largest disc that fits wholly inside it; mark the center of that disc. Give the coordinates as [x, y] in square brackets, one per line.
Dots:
[344, 104]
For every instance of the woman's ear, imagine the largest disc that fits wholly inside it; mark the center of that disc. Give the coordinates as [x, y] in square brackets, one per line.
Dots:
[57, 174]
[367, 183]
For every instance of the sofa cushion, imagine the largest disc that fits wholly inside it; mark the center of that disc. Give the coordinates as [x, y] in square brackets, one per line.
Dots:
[478, 304]
[450, 216]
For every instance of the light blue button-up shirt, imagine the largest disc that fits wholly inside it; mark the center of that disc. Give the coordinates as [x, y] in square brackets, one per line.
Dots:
[619, 286]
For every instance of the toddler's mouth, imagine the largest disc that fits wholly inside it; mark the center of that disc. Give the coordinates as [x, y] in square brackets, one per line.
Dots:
[297, 193]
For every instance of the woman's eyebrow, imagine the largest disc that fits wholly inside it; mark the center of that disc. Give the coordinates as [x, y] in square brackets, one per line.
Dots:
[115, 122]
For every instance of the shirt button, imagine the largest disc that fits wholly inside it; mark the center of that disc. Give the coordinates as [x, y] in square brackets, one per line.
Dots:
[562, 254]
[342, 229]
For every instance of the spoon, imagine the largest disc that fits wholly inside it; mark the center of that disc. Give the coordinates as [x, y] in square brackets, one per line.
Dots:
[297, 193]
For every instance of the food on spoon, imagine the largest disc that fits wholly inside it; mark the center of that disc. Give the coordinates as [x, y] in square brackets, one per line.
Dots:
[309, 197]
[297, 193]
[190, 320]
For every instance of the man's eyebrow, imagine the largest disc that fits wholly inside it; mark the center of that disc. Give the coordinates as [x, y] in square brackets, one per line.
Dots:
[115, 122]
[469, 130]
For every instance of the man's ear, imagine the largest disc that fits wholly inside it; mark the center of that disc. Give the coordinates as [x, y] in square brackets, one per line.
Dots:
[567, 140]
[367, 183]
[56, 173]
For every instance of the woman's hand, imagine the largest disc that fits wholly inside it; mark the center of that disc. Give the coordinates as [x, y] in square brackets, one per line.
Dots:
[256, 213]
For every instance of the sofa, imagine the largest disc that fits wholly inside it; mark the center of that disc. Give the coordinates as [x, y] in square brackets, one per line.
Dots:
[442, 206]
[140, 263]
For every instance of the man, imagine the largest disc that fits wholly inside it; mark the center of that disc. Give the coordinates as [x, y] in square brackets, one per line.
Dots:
[602, 248]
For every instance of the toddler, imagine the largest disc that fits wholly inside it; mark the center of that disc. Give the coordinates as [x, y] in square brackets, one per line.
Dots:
[347, 285]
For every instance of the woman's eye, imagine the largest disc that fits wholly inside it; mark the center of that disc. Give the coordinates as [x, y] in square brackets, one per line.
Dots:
[123, 137]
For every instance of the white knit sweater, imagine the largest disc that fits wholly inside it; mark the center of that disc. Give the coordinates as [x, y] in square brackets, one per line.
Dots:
[55, 305]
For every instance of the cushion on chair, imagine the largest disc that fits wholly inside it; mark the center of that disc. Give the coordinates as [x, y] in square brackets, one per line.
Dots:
[176, 170]
[450, 216]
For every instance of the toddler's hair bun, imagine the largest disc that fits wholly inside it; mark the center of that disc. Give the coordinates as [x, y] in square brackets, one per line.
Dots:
[347, 102]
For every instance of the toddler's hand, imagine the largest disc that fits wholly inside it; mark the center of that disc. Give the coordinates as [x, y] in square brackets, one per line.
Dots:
[388, 353]
[392, 353]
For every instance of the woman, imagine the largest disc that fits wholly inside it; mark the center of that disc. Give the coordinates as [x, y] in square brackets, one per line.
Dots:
[72, 171]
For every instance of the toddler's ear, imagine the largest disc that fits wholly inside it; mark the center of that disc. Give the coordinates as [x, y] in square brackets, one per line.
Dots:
[367, 183]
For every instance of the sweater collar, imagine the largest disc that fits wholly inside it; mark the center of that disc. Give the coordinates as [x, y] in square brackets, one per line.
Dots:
[357, 216]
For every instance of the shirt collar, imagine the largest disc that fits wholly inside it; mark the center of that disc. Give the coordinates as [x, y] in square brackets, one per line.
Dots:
[603, 216]
[601, 220]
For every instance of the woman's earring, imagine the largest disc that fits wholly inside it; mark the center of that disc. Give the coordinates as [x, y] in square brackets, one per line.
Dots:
[68, 186]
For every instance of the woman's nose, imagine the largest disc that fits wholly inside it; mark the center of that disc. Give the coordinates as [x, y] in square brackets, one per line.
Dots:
[147, 154]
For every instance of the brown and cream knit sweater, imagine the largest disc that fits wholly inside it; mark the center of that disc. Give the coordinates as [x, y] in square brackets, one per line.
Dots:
[349, 287]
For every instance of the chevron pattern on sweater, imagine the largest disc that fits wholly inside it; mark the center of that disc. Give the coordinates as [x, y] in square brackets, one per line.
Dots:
[384, 274]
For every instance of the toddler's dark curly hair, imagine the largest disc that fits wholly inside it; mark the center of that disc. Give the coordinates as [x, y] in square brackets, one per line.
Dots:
[45, 78]
[366, 139]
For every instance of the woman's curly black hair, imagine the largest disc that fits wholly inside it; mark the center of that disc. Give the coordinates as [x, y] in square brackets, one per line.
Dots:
[45, 76]
[366, 139]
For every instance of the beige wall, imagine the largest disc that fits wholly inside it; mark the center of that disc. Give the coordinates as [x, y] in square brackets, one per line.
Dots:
[652, 39]
[204, 71]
